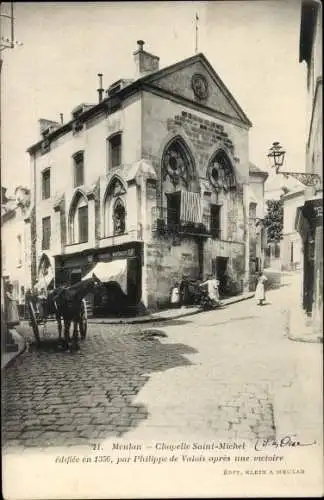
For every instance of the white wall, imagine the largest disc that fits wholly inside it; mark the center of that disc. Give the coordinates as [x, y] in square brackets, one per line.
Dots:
[289, 211]
[93, 141]
[15, 261]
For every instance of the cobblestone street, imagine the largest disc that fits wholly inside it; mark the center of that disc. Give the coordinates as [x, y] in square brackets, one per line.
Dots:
[213, 375]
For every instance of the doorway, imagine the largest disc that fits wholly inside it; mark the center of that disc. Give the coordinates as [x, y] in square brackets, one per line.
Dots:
[219, 269]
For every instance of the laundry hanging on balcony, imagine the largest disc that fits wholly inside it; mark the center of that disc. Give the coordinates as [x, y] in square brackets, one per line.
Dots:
[190, 207]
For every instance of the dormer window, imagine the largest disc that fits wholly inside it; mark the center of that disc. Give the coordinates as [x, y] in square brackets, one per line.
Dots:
[78, 168]
[45, 146]
[77, 126]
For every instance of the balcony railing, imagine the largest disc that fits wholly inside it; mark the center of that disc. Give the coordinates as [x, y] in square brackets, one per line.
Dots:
[167, 221]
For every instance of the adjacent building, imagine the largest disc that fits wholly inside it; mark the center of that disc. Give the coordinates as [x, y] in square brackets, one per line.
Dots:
[291, 243]
[152, 182]
[257, 233]
[16, 241]
[309, 218]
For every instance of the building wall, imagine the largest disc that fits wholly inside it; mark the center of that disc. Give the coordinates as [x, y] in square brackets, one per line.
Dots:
[291, 252]
[93, 141]
[256, 229]
[15, 256]
[162, 120]
[314, 164]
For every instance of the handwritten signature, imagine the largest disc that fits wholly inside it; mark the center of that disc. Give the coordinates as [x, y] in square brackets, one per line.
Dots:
[285, 442]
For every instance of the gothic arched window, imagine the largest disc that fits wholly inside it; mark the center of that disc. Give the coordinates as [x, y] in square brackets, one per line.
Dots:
[220, 172]
[78, 220]
[177, 164]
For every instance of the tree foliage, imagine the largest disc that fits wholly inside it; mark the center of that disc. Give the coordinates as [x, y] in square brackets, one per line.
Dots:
[273, 220]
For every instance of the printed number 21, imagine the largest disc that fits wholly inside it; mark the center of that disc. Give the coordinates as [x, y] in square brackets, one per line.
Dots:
[95, 446]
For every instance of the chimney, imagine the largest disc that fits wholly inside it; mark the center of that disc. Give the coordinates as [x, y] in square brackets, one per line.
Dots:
[144, 61]
[100, 90]
[61, 118]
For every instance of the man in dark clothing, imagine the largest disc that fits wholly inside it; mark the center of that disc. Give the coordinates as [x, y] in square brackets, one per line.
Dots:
[184, 291]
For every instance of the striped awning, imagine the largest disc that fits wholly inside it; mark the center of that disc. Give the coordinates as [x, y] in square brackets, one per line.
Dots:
[190, 207]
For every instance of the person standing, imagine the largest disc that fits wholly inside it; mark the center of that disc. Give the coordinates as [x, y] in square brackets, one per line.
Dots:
[260, 290]
[184, 291]
[212, 289]
[12, 314]
[175, 295]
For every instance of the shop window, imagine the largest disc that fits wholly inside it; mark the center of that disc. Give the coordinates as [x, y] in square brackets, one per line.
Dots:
[78, 168]
[115, 150]
[46, 233]
[46, 184]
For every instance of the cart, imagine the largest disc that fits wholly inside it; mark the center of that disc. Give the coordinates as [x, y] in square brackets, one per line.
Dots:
[40, 318]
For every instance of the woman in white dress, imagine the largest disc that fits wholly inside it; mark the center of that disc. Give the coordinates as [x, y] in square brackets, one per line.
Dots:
[12, 315]
[260, 291]
[175, 296]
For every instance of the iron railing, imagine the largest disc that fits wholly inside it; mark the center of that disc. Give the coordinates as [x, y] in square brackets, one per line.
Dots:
[167, 221]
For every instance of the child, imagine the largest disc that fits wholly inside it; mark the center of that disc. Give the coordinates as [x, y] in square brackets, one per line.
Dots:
[259, 291]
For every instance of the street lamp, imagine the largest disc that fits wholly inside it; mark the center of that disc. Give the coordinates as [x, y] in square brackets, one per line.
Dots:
[277, 153]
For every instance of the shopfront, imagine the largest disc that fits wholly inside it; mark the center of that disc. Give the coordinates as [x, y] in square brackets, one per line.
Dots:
[119, 268]
[309, 222]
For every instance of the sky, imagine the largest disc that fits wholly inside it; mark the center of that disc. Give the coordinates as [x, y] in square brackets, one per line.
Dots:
[252, 45]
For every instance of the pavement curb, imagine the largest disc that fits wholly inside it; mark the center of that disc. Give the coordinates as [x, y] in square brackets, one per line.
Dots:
[311, 338]
[15, 355]
[152, 319]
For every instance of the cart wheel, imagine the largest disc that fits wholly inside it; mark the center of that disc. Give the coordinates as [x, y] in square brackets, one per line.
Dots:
[83, 323]
[33, 321]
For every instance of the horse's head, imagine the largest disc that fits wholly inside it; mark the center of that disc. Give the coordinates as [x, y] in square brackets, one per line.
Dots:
[95, 281]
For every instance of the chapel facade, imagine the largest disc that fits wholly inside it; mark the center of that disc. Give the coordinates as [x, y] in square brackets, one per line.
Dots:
[154, 181]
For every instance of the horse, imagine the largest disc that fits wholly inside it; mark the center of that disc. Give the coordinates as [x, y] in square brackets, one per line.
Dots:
[66, 304]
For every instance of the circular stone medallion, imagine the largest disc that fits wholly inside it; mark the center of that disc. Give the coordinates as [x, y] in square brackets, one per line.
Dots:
[199, 86]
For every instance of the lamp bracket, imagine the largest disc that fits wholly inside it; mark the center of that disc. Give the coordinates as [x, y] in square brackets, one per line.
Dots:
[306, 179]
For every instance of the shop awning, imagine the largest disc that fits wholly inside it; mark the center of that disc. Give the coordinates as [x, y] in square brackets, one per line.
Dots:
[115, 270]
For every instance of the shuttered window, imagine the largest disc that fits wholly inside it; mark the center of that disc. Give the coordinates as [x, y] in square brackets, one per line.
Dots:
[115, 145]
[46, 184]
[83, 224]
[46, 229]
[78, 161]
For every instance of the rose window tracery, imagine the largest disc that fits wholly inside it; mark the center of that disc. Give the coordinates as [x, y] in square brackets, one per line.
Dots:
[176, 164]
[220, 173]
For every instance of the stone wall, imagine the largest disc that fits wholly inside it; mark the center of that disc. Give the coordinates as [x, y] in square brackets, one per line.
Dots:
[166, 263]
[204, 135]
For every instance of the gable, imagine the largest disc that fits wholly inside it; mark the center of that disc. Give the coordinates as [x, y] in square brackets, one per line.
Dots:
[178, 80]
